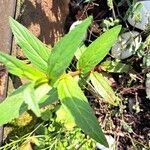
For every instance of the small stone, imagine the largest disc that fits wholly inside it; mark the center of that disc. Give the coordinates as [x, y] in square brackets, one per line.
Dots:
[143, 13]
[127, 45]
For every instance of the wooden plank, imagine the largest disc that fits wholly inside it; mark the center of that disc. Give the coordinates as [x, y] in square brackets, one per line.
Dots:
[7, 8]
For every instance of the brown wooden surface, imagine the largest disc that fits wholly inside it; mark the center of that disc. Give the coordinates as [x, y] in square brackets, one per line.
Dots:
[7, 8]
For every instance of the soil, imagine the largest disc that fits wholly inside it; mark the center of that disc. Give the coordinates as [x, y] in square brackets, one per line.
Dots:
[48, 20]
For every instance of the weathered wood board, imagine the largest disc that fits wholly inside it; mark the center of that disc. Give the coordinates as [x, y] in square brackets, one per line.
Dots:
[7, 8]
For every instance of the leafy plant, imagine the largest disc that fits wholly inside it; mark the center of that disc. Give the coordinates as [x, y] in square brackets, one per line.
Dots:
[49, 80]
[49, 132]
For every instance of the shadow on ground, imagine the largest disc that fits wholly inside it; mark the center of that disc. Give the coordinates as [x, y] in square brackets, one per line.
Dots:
[45, 18]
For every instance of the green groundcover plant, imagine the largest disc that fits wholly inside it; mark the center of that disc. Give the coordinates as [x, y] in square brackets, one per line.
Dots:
[50, 80]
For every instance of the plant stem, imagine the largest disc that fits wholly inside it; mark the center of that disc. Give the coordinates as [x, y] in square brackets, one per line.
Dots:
[75, 73]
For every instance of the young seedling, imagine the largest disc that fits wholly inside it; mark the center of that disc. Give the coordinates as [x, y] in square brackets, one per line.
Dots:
[49, 80]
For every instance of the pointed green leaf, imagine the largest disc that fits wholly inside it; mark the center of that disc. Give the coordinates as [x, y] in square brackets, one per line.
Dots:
[33, 48]
[75, 102]
[64, 50]
[49, 98]
[97, 50]
[104, 89]
[17, 67]
[30, 99]
[12, 106]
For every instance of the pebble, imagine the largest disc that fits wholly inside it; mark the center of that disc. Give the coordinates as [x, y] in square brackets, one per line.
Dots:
[126, 45]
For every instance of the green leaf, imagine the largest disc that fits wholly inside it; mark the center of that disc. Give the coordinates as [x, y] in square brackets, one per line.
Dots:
[75, 102]
[12, 106]
[33, 48]
[17, 67]
[64, 50]
[103, 88]
[65, 117]
[114, 67]
[97, 50]
[80, 51]
[30, 99]
[49, 98]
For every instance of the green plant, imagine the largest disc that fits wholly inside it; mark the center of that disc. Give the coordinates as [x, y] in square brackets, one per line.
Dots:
[47, 132]
[49, 79]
